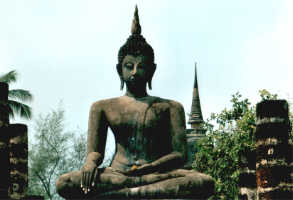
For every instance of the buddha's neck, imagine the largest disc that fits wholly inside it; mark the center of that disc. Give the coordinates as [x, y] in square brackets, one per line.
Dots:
[136, 92]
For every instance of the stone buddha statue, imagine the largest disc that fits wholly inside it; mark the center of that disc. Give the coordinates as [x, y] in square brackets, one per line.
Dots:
[150, 139]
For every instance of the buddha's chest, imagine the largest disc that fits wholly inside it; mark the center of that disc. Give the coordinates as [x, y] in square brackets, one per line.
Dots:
[143, 131]
[138, 118]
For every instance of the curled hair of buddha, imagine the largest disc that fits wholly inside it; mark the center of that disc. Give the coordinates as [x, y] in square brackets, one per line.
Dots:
[135, 44]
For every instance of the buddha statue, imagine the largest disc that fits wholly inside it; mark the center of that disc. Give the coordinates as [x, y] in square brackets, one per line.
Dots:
[150, 139]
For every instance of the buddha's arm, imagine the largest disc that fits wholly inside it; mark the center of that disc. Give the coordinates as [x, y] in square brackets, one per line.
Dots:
[177, 157]
[97, 135]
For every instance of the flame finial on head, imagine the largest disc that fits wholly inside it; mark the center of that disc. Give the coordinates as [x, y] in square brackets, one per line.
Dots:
[135, 27]
[135, 45]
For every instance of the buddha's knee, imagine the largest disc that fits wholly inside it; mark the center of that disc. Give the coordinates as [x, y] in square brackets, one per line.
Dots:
[61, 184]
[67, 183]
[203, 180]
[208, 183]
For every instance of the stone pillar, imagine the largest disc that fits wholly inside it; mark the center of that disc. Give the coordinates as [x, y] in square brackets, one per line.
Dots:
[192, 137]
[247, 178]
[18, 145]
[274, 155]
[4, 155]
[4, 117]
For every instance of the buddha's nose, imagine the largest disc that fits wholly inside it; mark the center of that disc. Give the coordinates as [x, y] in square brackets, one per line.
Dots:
[134, 70]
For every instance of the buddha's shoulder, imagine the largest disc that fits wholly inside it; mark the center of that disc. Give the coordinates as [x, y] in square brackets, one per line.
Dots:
[105, 103]
[125, 101]
[166, 103]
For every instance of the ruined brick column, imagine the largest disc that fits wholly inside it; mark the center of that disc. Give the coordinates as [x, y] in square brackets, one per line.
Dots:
[247, 178]
[4, 117]
[4, 155]
[18, 145]
[274, 154]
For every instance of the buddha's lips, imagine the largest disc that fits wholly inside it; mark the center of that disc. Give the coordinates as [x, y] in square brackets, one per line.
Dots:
[132, 79]
[135, 82]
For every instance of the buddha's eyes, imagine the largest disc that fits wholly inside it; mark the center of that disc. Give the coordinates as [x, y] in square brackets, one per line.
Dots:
[129, 65]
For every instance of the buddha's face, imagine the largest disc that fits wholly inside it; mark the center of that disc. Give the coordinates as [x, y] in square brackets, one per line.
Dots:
[136, 70]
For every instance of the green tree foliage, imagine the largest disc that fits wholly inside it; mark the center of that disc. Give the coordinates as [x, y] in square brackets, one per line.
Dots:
[16, 97]
[47, 156]
[53, 152]
[229, 134]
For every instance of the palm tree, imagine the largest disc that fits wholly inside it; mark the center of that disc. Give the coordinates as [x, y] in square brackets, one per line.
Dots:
[16, 107]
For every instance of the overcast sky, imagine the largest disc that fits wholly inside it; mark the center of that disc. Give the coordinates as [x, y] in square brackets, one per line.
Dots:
[67, 50]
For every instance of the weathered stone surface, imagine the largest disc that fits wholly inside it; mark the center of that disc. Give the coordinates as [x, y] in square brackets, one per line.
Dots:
[272, 109]
[13, 154]
[150, 138]
[272, 130]
[3, 91]
[18, 145]
[247, 177]
[196, 121]
[4, 155]
[4, 137]
[192, 136]
[246, 193]
[272, 176]
[274, 152]
[282, 191]
[4, 117]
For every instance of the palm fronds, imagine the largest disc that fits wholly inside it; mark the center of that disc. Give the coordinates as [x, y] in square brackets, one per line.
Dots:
[16, 95]
[10, 77]
[19, 108]
[23, 95]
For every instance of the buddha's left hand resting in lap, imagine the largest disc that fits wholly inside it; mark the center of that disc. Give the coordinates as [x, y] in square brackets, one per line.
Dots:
[150, 139]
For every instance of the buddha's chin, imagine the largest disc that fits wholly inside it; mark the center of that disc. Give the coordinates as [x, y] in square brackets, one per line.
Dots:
[135, 84]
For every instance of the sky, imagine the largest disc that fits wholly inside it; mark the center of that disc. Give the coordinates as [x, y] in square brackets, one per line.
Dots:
[67, 51]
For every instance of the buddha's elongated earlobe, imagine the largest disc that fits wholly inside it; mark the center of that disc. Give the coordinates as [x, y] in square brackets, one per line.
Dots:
[151, 76]
[118, 68]
[121, 83]
[150, 84]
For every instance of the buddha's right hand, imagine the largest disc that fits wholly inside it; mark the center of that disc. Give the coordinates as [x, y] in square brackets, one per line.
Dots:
[89, 173]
